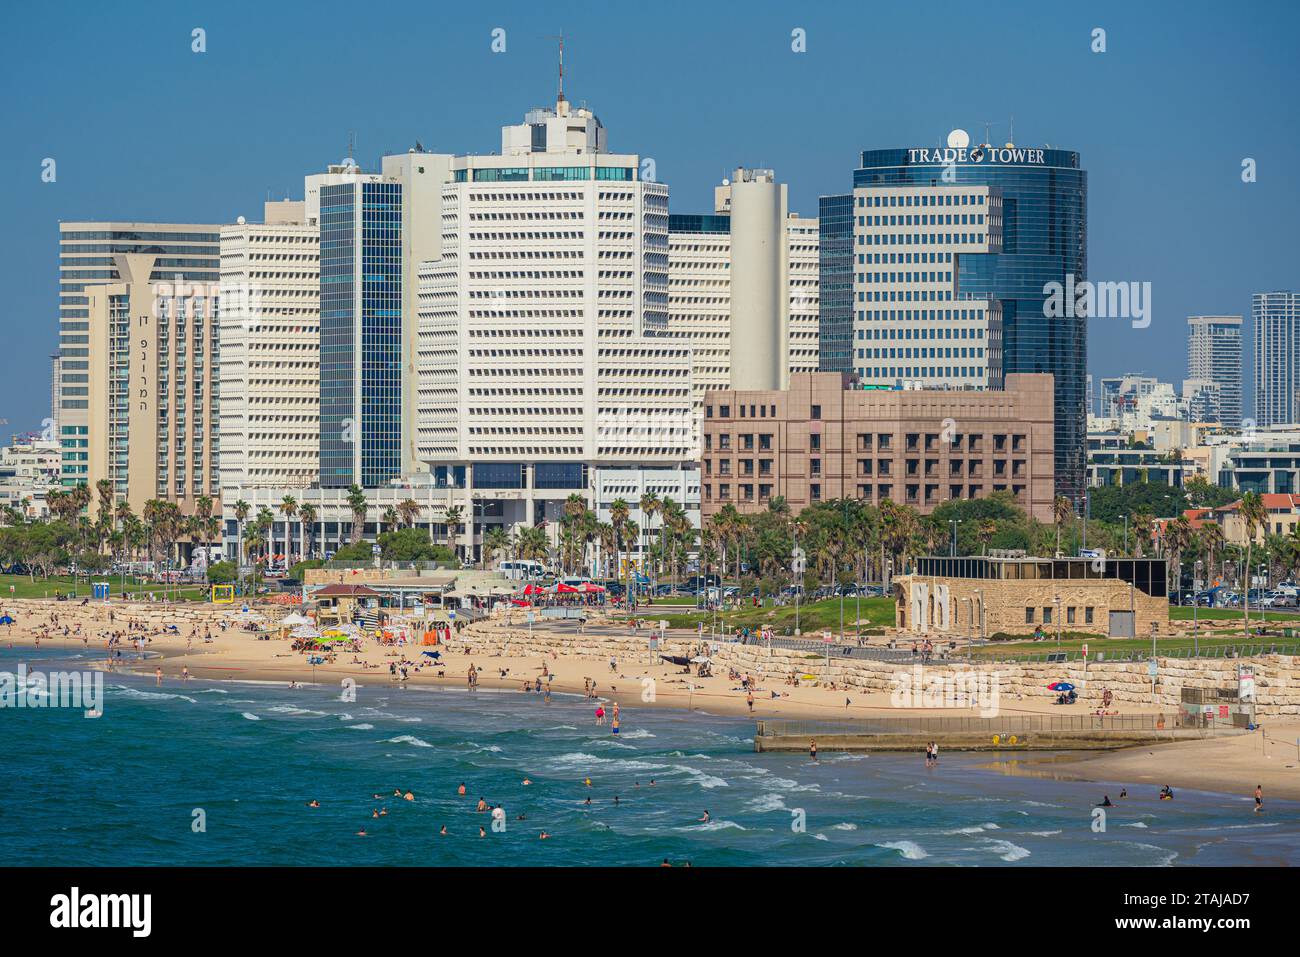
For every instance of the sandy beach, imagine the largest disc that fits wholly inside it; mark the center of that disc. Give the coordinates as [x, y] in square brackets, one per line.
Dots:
[1231, 765]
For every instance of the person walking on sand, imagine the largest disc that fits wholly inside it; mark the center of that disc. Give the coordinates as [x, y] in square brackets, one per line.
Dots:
[749, 700]
[1259, 798]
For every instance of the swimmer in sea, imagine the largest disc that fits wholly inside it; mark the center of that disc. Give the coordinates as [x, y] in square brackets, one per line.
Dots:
[461, 790]
[705, 818]
[442, 831]
[482, 805]
[526, 782]
[543, 836]
[361, 833]
[408, 796]
[313, 803]
[481, 832]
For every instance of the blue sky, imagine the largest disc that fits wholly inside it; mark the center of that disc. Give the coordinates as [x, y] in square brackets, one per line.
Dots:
[142, 128]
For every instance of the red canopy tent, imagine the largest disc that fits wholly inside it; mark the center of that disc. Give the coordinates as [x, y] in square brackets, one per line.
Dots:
[563, 589]
[592, 588]
[534, 590]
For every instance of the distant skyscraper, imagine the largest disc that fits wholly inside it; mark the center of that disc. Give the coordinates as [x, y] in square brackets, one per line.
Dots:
[1277, 354]
[703, 273]
[835, 318]
[953, 251]
[375, 230]
[1214, 356]
[93, 254]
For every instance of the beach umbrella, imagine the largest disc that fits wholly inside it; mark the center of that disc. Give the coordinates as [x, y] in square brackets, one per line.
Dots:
[1060, 686]
[304, 631]
[701, 660]
[534, 590]
[562, 589]
[6, 620]
[592, 588]
[290, 620]
[432, 654]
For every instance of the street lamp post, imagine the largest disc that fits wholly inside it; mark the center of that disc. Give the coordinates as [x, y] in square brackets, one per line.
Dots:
[1196, 600]
[1057, 599]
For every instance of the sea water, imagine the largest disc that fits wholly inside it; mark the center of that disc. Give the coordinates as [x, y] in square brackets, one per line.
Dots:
[220, 773]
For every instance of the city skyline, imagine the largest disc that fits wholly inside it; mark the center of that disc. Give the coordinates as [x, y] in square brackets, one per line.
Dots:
[1138, 233]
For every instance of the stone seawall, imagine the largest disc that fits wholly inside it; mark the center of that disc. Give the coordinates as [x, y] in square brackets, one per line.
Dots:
[1277, 677]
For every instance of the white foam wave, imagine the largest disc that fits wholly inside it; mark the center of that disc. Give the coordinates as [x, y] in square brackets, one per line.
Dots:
[909, 850]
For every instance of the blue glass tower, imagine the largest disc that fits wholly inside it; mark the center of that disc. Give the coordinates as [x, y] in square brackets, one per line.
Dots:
[361, 333]
[1044, 195]
[835, 278]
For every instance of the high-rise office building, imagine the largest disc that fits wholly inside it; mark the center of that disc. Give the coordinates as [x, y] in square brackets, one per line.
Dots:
[92, 254]
[835, 286]
[703, 272]
[1277, 353]
[543, 325]
[375, 229]
[270, 351]
[953, 251]
[1214, 356]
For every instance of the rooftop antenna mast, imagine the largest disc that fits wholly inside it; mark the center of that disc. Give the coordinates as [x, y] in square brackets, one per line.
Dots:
[560, 37]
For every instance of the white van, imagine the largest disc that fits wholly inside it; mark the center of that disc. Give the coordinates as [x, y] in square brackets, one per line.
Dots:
[521, 569]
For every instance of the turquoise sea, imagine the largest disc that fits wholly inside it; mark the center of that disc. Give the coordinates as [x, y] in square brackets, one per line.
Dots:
[245, 758]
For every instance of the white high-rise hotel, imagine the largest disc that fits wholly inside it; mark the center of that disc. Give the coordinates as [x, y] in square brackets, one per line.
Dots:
[542, 335]
[270, 351]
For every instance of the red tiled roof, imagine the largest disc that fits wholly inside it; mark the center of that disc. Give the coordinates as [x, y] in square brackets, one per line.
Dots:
[1270, 500]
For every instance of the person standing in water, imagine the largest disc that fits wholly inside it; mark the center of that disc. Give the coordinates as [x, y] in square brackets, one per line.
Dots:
[812, 750]
[1259, 798]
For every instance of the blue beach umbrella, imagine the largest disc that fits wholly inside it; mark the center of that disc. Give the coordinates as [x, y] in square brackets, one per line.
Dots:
[432, 654]
[6, 620]
[1060, 686]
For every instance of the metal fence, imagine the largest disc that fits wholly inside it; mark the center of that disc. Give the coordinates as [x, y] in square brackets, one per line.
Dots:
[1107, 657]
[1011, 724]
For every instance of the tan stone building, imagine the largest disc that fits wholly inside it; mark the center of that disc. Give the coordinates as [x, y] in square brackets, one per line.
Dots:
[153, 370]
[989, 596]
[827, 438]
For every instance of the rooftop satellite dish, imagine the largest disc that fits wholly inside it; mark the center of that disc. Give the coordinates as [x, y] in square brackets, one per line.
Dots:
[240, 220]
[959, 139]
[726, 182]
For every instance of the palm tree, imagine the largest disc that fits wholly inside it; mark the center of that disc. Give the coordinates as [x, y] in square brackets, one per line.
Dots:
[649, 508]
[1178, 535]
[409, 510]
[390, 518]
[530, 544]
[1062, 512]
[242, 509]
[453, 518]
[307, 514]
[288, 508]
[104, 488]
[1211, 536]
[1253, 515]
[359, 506]
[619, 512]
[496, 540]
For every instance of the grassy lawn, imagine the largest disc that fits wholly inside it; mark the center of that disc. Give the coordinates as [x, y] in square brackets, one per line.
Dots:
[813, 616]
[24, 587]
[1184, 613]
[1123, 647]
